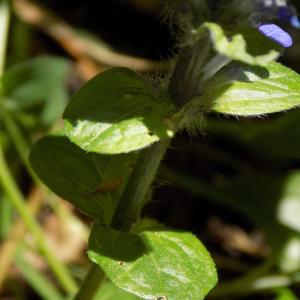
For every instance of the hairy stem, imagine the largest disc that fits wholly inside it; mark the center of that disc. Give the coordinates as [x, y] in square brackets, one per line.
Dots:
[184, 80]
[181, 87]
[133, 198]
[90, 284]
[129, 207]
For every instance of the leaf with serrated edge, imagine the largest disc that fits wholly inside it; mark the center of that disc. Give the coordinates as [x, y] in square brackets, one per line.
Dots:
[117, 112]
[156, 263]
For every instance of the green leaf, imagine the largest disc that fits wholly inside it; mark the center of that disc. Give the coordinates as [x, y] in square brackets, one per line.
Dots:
[117, 112]
[248, 91]
[91, 182]
[156, 264]
[244, 44]
[108, 291]
[38, 85]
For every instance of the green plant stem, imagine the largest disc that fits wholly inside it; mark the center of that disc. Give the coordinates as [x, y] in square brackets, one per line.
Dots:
[4, 28]
[15, 236]
[128, 210]
[90, 284]
[214, 65]
[184, 81]
[15, 196]
[5, 217]
[133, 198]
[19, 142]
[37, 280]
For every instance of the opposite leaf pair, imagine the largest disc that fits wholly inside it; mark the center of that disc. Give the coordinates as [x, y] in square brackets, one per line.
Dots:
[121, 117]
[153, 262]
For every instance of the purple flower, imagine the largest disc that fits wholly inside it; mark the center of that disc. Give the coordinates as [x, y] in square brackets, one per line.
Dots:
[281, 10]
[277, 34]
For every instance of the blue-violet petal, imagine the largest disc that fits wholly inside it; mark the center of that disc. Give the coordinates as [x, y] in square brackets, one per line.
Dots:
[277, 34]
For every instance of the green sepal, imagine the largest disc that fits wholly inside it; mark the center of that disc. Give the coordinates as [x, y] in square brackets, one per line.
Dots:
[241, 43]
